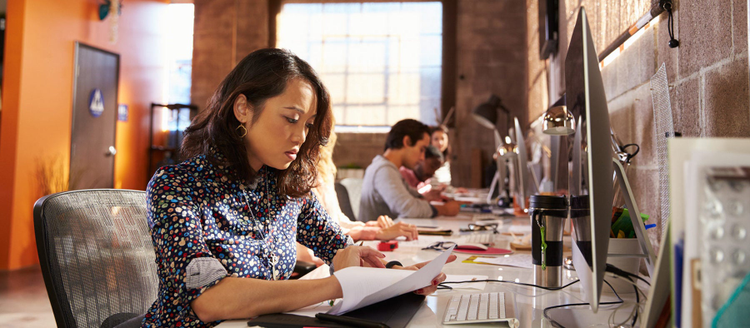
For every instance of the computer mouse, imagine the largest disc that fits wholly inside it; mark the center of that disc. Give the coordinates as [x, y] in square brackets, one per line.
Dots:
[472, 246]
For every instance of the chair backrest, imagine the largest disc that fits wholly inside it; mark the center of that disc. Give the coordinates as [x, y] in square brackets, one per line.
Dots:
[354, 190]
[96, 255]
[344, 203]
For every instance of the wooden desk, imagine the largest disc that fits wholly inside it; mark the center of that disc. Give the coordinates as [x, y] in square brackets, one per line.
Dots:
[530, 302]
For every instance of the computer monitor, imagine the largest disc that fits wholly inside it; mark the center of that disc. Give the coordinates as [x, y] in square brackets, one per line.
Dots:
[524, 183]
[591, 180]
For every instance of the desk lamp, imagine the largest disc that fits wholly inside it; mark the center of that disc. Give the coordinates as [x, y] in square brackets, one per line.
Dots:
[505, 152]
[557, 122]
[486, 115]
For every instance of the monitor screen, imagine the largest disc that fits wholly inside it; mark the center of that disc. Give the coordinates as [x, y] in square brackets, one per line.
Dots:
[592, 168]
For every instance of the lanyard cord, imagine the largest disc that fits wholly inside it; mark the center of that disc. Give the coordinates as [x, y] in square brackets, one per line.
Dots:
[272, 257]
[667, 5]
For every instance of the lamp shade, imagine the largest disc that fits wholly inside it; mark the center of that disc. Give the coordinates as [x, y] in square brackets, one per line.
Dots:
[558, 121]
[486, 113]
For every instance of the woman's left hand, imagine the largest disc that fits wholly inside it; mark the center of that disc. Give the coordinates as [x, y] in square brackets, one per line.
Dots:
[358, 256]
[435, 281]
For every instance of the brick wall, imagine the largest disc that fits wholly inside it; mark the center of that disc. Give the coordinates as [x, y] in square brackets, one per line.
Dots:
[708, 76]
[491, 59]
[225, 32]
[357, 149]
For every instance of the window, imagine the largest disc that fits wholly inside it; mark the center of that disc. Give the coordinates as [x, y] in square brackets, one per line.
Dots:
[381, 62]
[178, 53]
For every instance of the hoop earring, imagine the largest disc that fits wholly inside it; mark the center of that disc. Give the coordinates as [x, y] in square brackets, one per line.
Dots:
[244, 130]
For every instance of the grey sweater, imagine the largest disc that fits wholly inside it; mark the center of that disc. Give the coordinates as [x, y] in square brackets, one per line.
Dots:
[384, 192]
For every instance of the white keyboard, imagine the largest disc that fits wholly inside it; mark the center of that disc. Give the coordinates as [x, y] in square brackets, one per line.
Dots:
[478, 308]
[479, 238]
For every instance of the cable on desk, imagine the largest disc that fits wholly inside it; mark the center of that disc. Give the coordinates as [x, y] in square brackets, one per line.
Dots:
[556, 324]
[613, 269]
[633, 313]
[630, 281]
[443, 285]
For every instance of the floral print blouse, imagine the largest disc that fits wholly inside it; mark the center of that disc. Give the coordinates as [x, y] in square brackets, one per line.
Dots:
[205, 226]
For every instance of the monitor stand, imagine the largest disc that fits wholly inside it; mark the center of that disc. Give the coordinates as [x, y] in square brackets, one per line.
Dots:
[646, 250]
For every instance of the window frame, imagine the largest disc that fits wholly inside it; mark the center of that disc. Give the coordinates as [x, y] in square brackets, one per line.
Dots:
[448, 65]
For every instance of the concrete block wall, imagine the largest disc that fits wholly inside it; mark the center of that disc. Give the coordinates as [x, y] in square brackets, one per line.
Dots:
[707, 74]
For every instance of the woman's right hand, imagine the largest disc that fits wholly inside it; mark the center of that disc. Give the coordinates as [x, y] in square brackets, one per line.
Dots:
[358, 256]
[397, 230]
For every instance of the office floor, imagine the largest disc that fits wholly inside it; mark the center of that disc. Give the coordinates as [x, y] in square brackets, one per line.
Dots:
[23, 300]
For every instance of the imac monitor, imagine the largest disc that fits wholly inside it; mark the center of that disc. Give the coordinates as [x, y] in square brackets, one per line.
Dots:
[591, 180]
[522, 162]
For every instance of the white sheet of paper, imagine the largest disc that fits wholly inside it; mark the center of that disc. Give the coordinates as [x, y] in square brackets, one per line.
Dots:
[471, 285]
[365, 286]
[515, 260]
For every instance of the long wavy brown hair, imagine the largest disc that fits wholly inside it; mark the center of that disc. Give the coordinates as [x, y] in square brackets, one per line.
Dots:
[326, 167]
[261, 75]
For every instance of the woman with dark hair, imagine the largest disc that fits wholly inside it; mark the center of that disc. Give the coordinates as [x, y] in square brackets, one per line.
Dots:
[439, 139]
[225, 221]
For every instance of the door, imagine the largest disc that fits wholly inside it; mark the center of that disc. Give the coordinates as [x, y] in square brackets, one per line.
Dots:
[92, 151]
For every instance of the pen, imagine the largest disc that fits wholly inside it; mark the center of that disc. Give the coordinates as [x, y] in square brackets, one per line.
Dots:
[361, 242]
[349, 321]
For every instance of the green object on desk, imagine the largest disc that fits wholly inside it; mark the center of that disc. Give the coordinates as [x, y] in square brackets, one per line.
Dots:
[624, 225]
[544, 248]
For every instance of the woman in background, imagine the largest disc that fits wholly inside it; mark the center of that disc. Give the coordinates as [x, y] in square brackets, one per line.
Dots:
[439, 139]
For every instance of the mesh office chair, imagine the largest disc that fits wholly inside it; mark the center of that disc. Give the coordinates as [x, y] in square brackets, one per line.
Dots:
[96, 256]
[344, 203]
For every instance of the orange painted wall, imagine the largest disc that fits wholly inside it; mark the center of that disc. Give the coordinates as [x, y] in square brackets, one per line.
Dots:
[37, 101]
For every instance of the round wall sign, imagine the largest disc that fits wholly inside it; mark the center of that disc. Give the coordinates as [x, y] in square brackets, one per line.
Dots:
[96, 103]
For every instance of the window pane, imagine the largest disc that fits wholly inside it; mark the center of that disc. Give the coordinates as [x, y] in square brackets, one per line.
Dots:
[380, 61]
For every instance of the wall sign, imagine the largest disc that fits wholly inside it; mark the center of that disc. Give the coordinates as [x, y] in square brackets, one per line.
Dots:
[122, 113]
[96, 103]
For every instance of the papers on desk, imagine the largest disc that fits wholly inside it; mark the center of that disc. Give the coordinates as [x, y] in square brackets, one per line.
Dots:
[516, 260]
[365, 286]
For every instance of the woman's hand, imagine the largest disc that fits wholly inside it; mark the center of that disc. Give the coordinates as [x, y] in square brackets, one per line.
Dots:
[435, 282]
[384, 221]
[399, 229]
[358, 256]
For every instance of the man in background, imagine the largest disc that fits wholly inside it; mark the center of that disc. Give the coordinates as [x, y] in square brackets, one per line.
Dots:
[384, 190]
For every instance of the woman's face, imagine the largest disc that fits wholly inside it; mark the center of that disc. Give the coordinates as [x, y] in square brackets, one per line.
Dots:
[440, 140]
[276, 137]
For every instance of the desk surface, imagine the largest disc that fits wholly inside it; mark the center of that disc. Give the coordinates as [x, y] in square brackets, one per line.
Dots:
[529, 302]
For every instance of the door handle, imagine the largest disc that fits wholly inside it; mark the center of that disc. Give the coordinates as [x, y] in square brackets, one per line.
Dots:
[111, 151]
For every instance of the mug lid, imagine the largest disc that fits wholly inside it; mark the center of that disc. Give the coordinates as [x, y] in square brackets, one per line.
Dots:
[548, 202]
